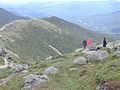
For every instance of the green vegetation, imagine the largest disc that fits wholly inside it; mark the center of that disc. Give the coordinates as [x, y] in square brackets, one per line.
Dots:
[86, 77]
[1, 61]
[5, 73]
[16, 83]
[32, 41]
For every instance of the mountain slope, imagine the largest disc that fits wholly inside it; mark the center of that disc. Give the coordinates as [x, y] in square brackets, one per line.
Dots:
[40, 38]
[92, 75]
[6, 17]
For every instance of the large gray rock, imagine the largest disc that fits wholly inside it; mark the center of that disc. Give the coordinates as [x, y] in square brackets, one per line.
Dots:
[51, 70]
[80, 61]
[86, 51]
[32, 80]
[97, 56]
[117, 53]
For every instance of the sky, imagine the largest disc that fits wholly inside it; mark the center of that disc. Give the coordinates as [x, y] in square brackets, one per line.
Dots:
[27, 1]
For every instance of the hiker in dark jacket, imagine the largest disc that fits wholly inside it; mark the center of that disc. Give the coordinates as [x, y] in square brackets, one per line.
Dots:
[84, 44]
[104, 42]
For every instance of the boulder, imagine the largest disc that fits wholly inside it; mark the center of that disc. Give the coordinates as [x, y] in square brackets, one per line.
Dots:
[97, 56]
[80, 61]
[32, 80]
[51, 70]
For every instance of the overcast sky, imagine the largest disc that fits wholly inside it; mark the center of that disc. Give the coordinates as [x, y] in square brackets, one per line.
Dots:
[27, 1]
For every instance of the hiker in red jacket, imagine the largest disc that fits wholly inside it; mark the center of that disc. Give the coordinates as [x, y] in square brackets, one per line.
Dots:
[89, 42]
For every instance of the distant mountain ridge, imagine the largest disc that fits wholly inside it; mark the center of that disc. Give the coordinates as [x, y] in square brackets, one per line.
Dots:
[7, 17]
[100, 16]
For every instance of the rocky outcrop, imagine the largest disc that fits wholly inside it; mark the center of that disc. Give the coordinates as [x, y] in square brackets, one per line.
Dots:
[20, 68]
[97, 56]
[113, 44]
[3, 52]
[9, 62]
[32, 80]
[51, 70]
[80, 61]
[86, 51]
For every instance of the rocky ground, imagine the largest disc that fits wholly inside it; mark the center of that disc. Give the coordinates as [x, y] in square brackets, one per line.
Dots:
[80, 70]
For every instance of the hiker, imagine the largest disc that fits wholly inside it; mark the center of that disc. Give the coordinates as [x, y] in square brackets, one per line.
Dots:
[89, 43]
[84, 44]
[104, 42]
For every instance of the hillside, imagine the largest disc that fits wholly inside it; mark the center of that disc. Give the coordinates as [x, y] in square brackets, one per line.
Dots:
[43, 54]
[7, 17]
[81, 70]
[37, 38]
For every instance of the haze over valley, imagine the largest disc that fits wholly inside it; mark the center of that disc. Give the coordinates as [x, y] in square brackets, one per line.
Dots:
[100, 16]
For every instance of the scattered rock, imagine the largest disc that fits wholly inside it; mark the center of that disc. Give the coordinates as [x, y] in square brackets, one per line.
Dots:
[7, 59]
[73, 69]
[97, 56]
[80, 61]
[109, 85]
[2, 52]
[20, 68]
[117, 53]
[51, 70]
[32, 80]
[49, 58]
[113, 44]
